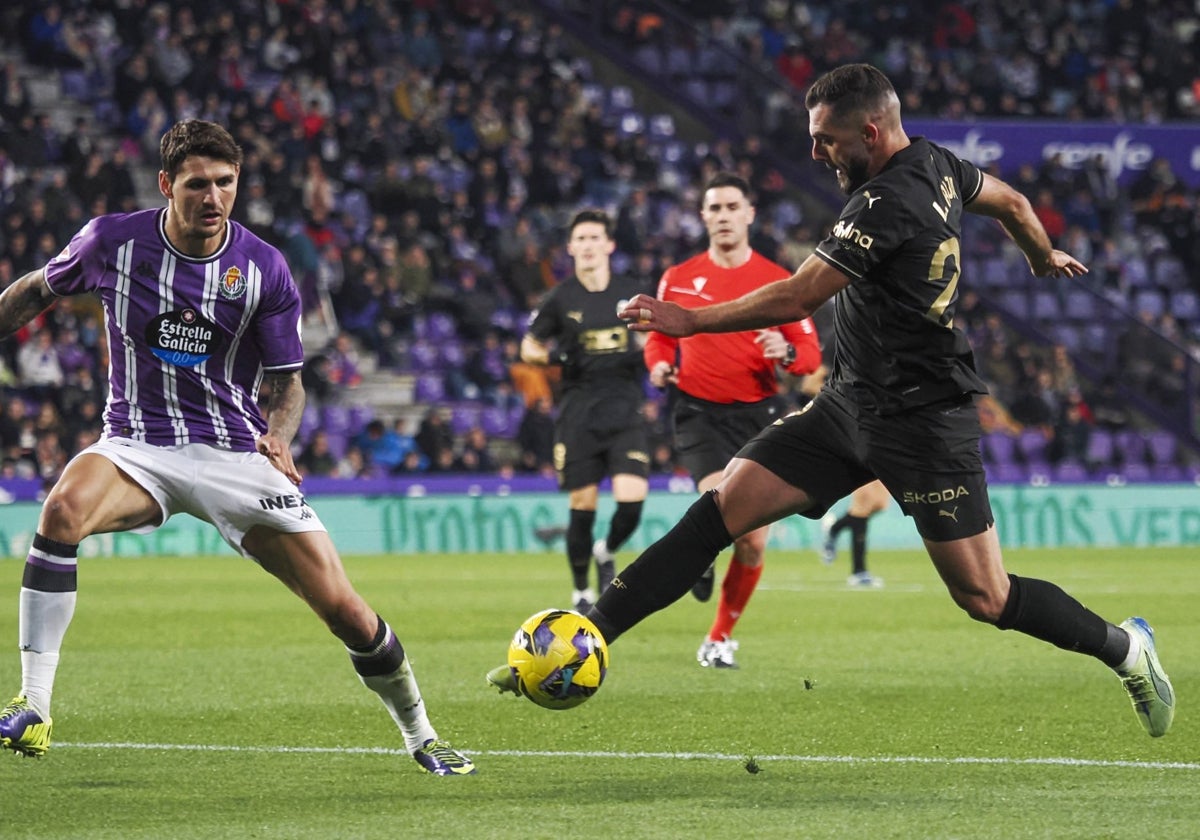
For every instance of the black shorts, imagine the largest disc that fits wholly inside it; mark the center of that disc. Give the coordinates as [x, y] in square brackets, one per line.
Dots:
[928, 458]
[709, 434]
[584, 456]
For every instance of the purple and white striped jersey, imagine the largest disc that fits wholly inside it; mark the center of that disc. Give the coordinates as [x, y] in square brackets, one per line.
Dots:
[189, 339]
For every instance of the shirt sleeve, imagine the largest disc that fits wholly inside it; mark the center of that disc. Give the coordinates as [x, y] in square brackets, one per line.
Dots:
[659, 347]
[803, 336]
[78, 267]
[278, 323]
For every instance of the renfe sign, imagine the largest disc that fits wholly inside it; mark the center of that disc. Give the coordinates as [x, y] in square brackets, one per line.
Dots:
[1126, 149]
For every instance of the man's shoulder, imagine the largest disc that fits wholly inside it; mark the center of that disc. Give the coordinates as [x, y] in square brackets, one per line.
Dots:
[763, 267]
[697, 262]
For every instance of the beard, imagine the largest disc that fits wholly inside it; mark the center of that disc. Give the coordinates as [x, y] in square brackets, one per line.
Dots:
[853, 175]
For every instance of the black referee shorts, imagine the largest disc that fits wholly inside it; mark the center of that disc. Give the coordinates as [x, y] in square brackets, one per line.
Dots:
[709, 434]
[928, 458]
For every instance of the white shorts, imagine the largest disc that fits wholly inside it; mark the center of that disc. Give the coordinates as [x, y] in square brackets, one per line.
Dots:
[233, 490]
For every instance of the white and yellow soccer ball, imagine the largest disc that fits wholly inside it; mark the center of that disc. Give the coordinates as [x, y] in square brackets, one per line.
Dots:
[559, 658]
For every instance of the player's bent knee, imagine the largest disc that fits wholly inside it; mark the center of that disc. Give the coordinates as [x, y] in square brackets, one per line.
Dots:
[985, 607]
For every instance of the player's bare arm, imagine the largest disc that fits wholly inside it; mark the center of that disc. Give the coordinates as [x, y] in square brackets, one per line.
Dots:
[792, 299]
[285, 408]
[534, 352]
[1014, 212]
[23, 300]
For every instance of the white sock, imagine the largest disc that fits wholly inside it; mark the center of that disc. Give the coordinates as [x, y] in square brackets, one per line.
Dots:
[1135, 651]
[400, 694]
[44, 618]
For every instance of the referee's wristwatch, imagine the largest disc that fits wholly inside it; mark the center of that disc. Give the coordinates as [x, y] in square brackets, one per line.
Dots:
[789, 355]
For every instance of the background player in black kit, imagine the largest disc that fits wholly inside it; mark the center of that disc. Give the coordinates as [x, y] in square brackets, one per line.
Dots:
[899, 403]
[599, 430]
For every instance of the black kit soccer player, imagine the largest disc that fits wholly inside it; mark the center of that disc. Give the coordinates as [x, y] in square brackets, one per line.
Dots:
[899, 404]
[599, 431]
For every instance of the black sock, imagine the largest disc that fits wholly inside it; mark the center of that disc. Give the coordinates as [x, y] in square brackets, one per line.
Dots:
[665, 571]
[839, 526]
[624, 522]
[858, 542]
[579, 545]
[1042, 610]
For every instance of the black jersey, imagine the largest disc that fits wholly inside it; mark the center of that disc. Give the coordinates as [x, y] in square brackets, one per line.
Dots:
[898, 240]
[602, 363]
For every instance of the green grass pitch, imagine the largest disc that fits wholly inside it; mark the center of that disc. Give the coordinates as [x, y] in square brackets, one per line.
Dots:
[199, 699]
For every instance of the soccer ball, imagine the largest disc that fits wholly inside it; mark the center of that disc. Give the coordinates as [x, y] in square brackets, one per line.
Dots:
[559, 658]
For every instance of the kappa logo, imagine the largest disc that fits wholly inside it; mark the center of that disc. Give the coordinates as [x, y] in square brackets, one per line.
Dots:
[145, 270]
[233, 283]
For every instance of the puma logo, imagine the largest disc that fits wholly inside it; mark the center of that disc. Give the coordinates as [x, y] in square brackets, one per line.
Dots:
[871, 199]
[953, 514]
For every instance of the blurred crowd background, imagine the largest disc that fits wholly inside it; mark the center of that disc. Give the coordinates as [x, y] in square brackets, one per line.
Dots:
[417, 162]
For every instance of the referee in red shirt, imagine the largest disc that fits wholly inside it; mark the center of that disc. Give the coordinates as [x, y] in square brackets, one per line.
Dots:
[728, 388]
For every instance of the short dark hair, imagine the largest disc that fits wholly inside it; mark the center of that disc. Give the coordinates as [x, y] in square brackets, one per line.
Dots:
[591, 214]
[726, 179]
[188, 138]
[850, 88]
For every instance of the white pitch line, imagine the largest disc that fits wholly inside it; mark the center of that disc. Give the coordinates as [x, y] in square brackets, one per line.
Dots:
[685, 756]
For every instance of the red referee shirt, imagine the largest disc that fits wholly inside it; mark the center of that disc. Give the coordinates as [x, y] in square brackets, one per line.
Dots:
[727, 367]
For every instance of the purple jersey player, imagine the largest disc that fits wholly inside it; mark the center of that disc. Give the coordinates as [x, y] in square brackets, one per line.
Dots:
[199, 313]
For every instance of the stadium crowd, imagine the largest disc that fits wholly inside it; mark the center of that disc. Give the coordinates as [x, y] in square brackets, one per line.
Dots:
[416, 163]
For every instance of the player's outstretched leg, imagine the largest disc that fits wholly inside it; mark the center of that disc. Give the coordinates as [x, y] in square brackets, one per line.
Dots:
[23, 730]
[383, 668]
[1144, 679]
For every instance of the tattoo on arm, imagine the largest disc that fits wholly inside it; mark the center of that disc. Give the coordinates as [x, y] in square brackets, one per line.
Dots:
[23, 300]
[286, 405]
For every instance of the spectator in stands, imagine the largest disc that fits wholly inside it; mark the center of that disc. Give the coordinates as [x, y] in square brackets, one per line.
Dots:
[38, 366]
[316, 458]
[476, 455]
[535, 437]
[1072, 431]
[434, 433]
[383, 449]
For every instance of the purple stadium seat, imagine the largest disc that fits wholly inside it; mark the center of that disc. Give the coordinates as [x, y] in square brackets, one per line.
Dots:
[1185, 305]
[1100, 447]
[338, 444]
[1130, 446]
[1163, 447]
[423, 355]
[440, 326]
[335, 419]
[1167, 472]
[1149, 300]
[1046, 306]
[1081, 305]
[1016, 304]
[1135, 472]
[1032, 445]
[1006, 473]
[999, 448]
[429, 388]
[451, 354]
[1069, 472]
[309, 421]
[648, 58]
[463, 417]
[360, 416]
[497, 422]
